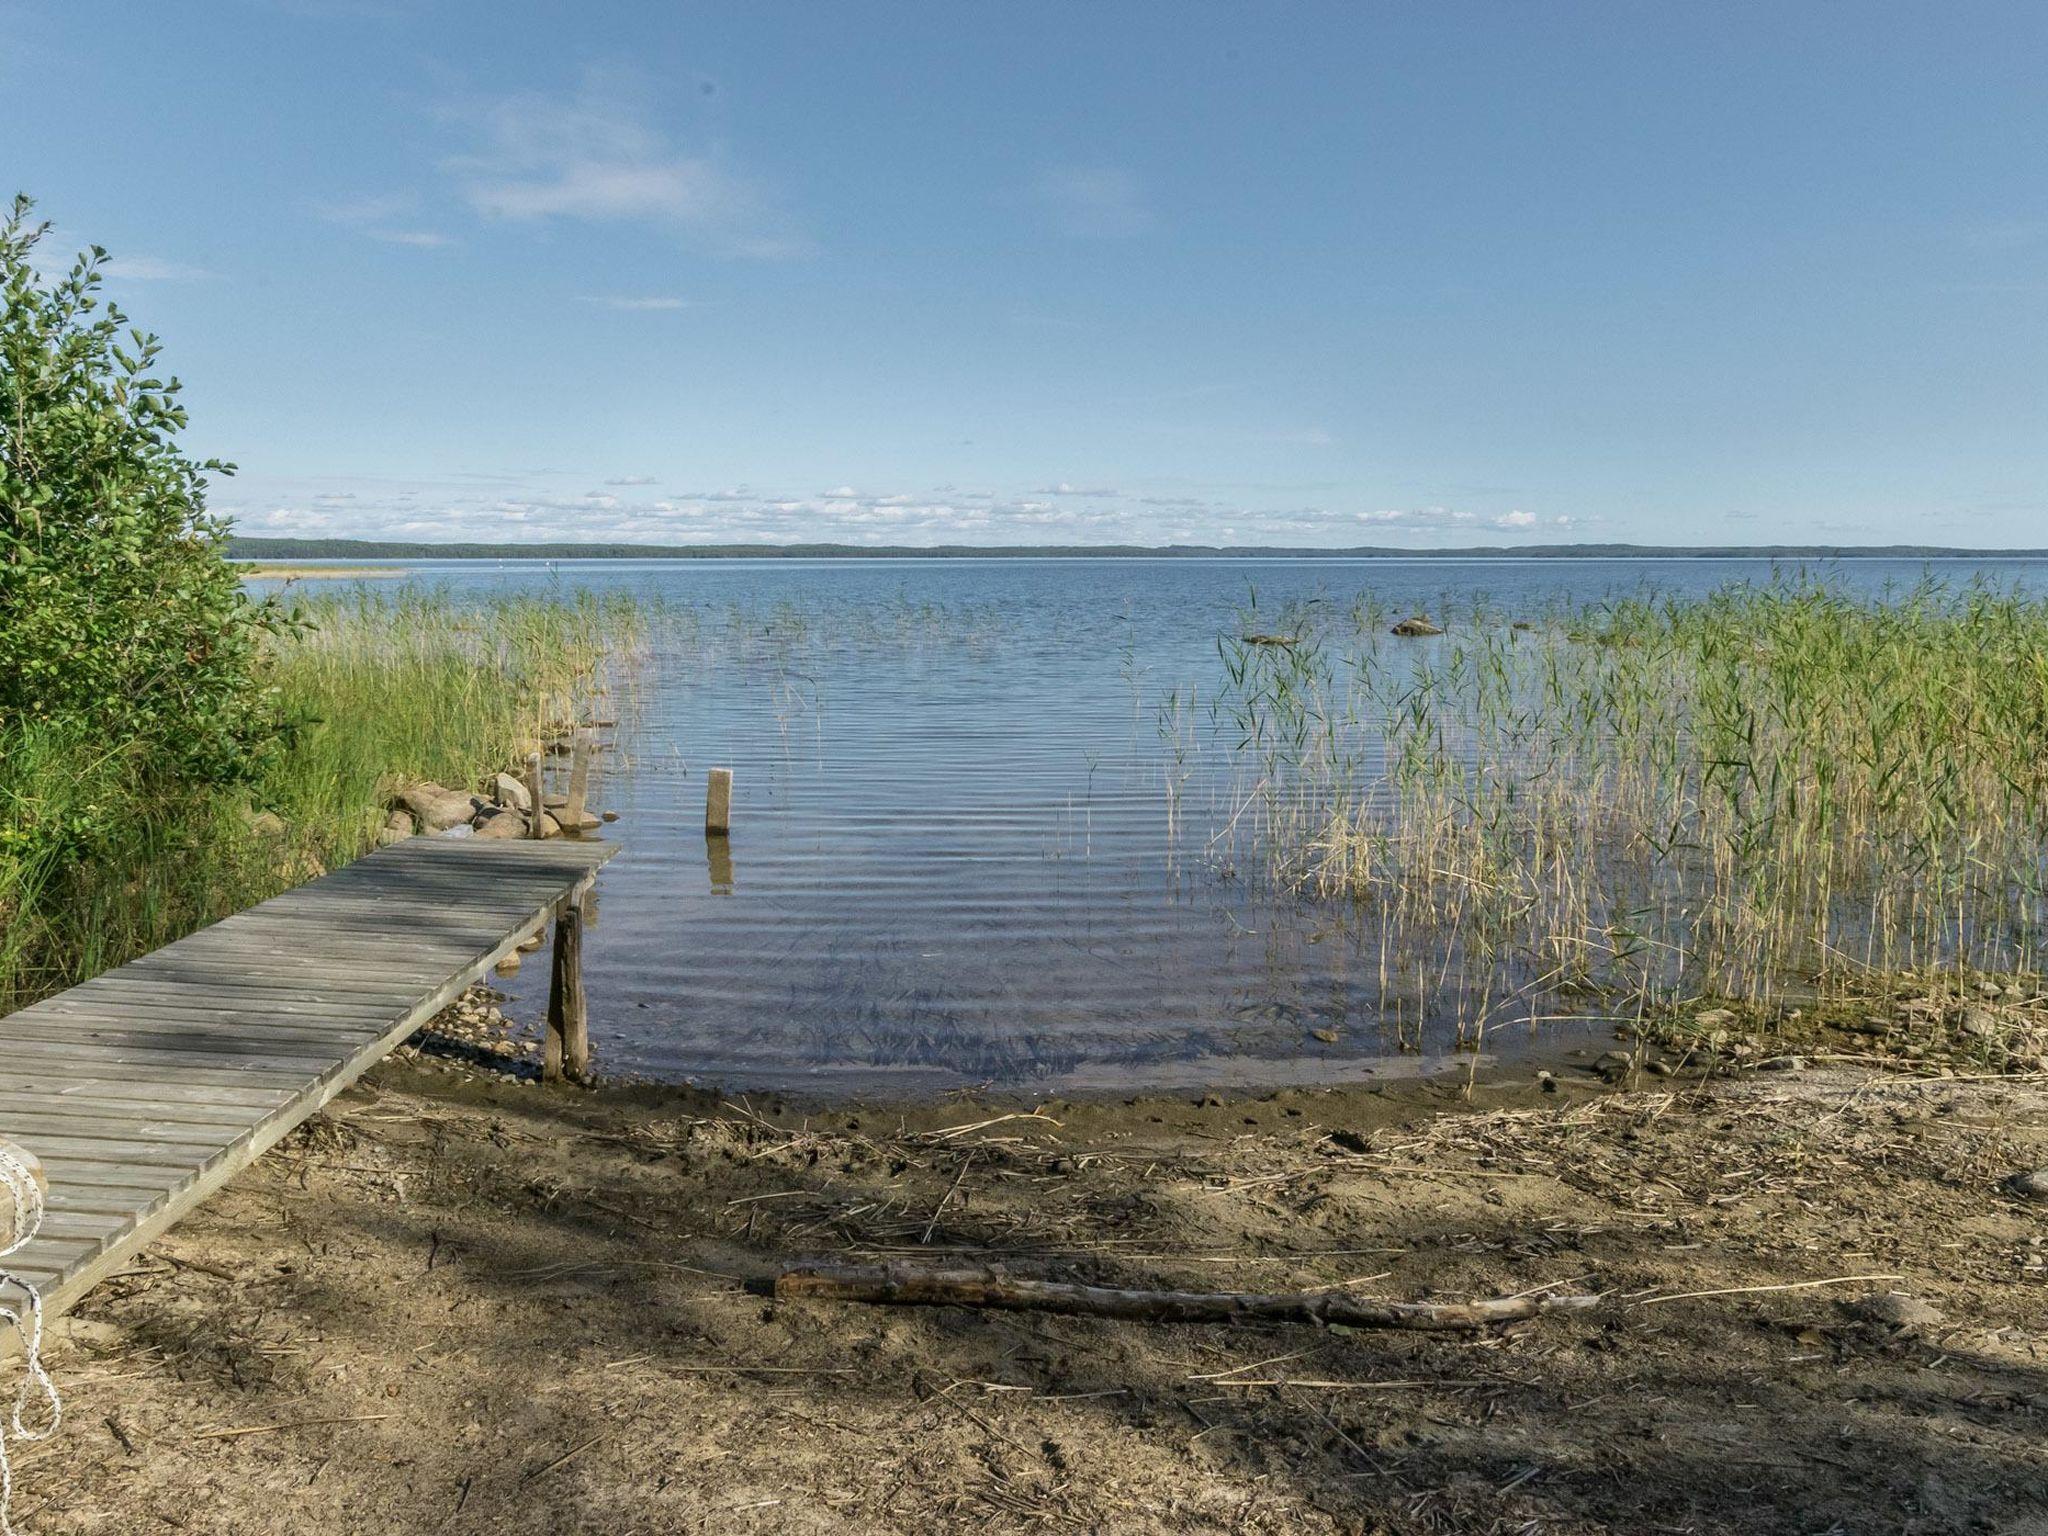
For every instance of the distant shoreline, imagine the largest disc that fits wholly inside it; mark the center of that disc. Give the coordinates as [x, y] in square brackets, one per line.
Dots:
[263, 570]
[298, 550]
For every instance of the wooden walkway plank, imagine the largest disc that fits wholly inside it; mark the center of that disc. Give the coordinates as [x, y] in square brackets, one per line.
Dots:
[143, 1090]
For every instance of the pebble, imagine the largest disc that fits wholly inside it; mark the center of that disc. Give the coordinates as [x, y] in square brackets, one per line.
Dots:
[1981, 1022]
[1546, 1081]
[2029, 1184]
[1327, 1036]
[1899, 1311]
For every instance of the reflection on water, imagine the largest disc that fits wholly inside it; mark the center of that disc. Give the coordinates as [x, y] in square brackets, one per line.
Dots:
[979, 831]
[718, 855]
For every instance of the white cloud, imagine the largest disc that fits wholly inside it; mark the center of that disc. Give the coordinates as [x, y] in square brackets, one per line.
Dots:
[1065, 489]
[1093, 202]
[389, 217]
[598, 158]
[521, 506]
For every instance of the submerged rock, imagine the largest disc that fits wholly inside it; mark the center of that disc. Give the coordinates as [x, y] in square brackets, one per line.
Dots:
[1614, 1065]
[1416, 625]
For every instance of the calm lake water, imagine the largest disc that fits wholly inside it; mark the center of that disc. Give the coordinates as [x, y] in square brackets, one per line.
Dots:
[954, 859]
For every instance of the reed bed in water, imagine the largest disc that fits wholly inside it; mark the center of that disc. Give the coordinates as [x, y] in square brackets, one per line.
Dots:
[372, 689]
[1751, 795]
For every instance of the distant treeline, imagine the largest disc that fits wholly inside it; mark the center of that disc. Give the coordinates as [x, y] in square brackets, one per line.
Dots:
[240, 548]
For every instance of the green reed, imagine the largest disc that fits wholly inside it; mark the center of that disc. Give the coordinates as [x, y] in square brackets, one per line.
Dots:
[373, 689]
[1745, 795]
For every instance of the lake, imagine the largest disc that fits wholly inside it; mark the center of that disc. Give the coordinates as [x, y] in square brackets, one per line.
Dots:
[977, 821]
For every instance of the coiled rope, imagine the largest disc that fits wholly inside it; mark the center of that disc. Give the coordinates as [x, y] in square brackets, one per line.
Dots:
[27, 1197]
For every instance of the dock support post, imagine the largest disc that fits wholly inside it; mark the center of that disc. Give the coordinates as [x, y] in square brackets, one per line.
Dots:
[579, 782]
[718, 802]
[567, 1052]
[533, 783]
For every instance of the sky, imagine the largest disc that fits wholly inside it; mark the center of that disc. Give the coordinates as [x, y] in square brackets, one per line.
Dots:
[1407, 275]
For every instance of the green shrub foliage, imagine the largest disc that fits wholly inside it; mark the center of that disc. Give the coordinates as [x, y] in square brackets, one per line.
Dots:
[118, 616]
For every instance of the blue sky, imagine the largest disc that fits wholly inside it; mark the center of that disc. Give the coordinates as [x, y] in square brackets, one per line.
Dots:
[988, 272]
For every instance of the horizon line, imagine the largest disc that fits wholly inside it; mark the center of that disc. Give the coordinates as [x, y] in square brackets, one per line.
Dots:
[242, 547]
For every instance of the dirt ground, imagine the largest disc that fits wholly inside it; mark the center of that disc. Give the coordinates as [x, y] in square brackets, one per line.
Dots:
[461, 1303]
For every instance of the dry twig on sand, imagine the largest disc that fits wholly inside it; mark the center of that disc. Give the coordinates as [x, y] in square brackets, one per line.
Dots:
[915, 1285]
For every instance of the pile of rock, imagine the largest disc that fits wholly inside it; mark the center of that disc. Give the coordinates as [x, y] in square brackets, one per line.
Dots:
[507, 810]
[473, 1036]
[1986, 1024]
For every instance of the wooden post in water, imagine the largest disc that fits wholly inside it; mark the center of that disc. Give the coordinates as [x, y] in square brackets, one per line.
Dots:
[718, 802]
[567, 1051]
[579, 781]
[533, 794]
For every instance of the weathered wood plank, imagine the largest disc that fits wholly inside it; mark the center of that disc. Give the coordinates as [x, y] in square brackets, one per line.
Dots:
[144, 1090]
[250, 1025]
[26, 1128]
[196, 1038]
[15, 1106]
[169, 1072]
[166, 1057]
[323, 1016]
[125, 1154]
[44, 1086]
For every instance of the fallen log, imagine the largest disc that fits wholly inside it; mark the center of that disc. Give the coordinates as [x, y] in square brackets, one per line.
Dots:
[909, 1285]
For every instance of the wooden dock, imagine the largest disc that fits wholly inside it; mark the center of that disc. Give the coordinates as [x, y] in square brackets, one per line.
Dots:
[147, 1088]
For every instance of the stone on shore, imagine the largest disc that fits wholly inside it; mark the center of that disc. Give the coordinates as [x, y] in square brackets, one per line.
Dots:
[1895, 1309]
[500, 821]
[437, 807]
[266, 824]
[2031, 1184]
[507, 790]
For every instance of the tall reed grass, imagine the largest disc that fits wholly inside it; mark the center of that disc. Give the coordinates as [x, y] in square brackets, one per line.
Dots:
[374, 689]
[1774, 789]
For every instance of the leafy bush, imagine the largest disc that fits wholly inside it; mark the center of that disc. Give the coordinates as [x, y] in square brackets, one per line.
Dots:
[118, 616]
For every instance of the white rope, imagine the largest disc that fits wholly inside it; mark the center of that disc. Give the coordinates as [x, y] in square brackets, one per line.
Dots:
[27, 1198]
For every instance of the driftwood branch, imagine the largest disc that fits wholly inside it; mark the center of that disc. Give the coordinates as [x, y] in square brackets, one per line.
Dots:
[910, 1285]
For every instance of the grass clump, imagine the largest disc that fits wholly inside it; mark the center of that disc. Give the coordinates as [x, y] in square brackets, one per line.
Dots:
[1776, 792]
[371, 689]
